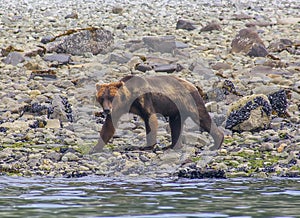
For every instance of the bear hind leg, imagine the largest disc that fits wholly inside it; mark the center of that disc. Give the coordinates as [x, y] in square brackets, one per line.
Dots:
[176, 125]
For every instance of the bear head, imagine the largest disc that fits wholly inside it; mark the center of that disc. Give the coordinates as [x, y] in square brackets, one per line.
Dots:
[106, 94]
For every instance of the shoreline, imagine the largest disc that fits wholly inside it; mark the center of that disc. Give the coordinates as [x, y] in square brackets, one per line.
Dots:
[37, 142]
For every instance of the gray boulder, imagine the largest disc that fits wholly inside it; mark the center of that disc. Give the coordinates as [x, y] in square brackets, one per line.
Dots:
[78, 42]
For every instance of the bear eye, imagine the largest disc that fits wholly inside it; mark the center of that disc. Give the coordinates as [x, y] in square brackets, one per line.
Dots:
[100, 100]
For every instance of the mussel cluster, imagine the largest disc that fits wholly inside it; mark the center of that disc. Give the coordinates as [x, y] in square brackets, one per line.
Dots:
[38, 124]
[37, 108]
[46, 109]
[68, 108]
[279, 102]
[197, 173]
[238, 116]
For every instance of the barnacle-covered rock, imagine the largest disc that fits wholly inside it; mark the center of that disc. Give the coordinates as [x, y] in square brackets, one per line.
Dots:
[250, 113]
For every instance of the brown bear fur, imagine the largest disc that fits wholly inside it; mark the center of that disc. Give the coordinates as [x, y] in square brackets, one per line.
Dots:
[169, 96]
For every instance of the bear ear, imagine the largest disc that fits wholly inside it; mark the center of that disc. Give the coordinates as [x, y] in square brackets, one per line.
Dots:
[119, 84]
[98, 87]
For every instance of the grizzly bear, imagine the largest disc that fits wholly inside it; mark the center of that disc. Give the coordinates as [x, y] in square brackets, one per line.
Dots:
[170, 96]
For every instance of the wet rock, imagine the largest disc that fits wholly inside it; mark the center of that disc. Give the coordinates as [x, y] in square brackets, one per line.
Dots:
[184, 24]
[250, 113]
[210, 27]
[245, 41]
[14, 58]
[162, 44]
[60, 58]
[78, 42]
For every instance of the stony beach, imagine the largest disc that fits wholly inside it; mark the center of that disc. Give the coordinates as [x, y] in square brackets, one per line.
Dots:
[49, 68]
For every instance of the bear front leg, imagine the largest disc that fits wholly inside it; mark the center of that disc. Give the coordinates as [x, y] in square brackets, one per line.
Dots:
[106, 134]
[176, 130]
[151, 125]
[210, 126]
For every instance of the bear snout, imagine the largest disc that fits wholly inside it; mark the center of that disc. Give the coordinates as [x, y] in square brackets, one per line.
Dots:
[106, 111]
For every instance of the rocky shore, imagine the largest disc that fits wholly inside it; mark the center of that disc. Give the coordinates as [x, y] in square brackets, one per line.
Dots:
[53, 53]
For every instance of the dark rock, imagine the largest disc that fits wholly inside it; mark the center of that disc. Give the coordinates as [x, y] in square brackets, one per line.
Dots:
[162, 44]
[3, 129]
[78, 42]
[60, 58]
[169, 68]
[210, 27]
[245, 40]
[186, 25]
[47, 39]
[258, 50]
[143, 67]
[14, 58]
